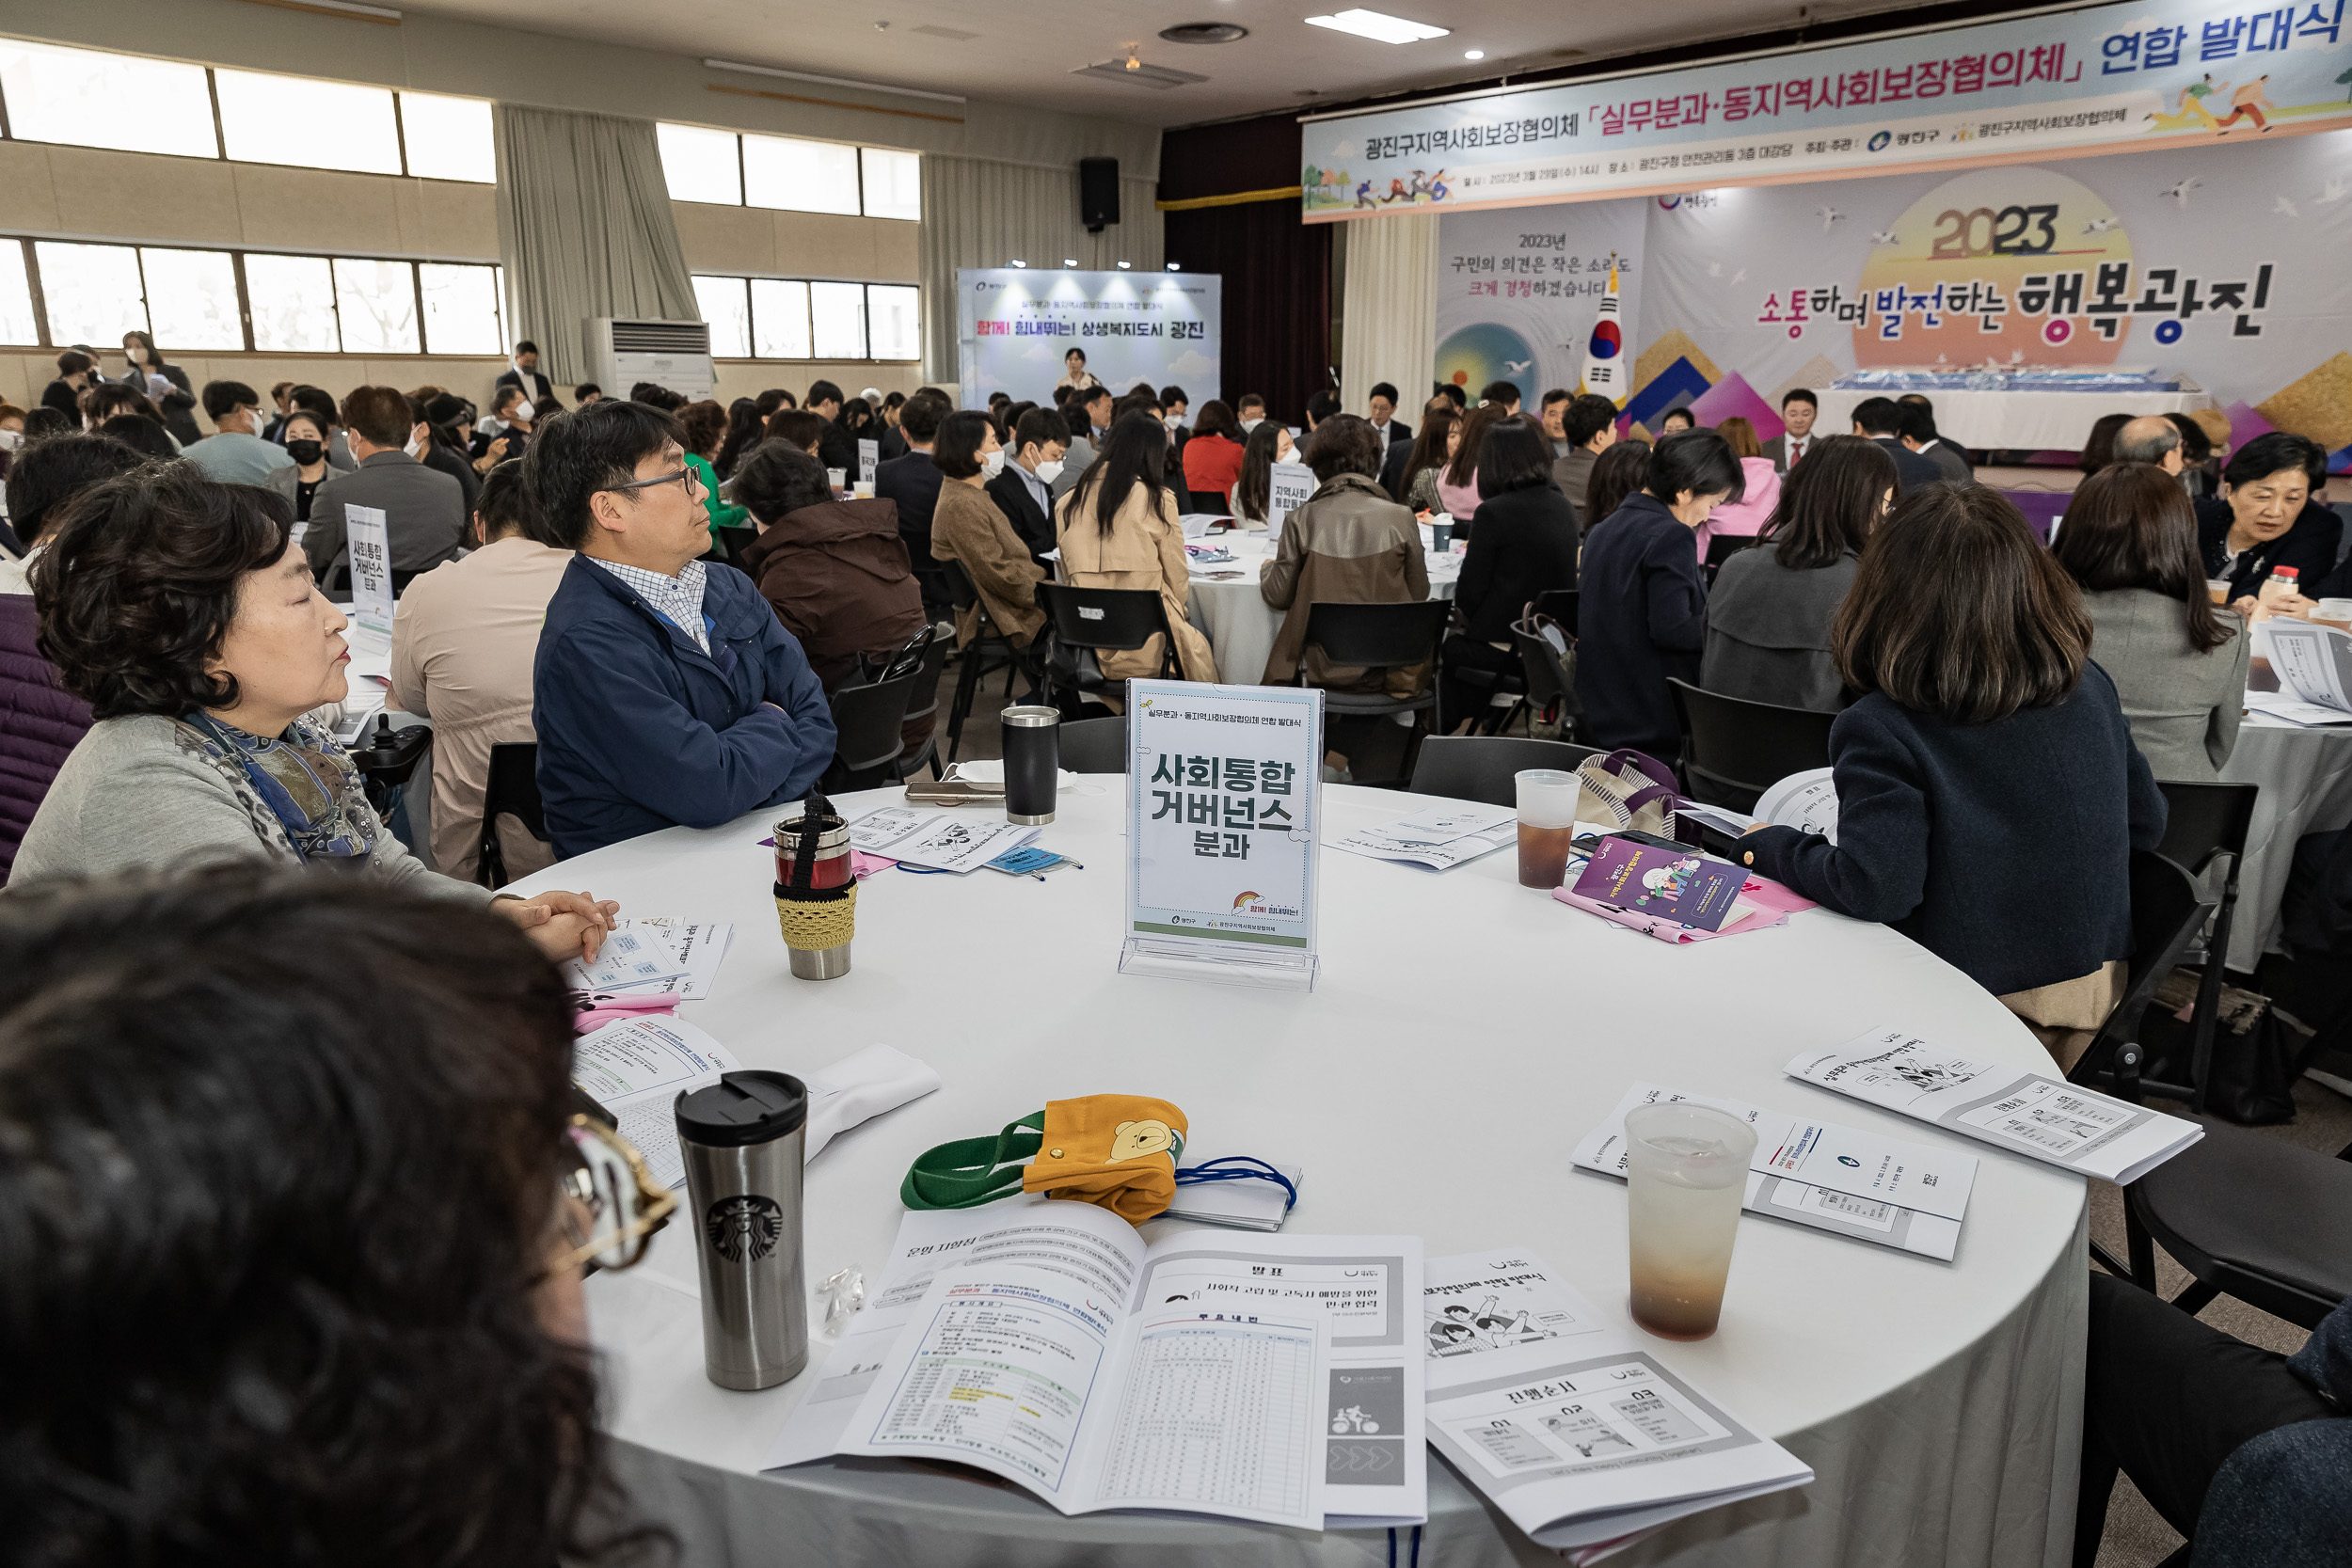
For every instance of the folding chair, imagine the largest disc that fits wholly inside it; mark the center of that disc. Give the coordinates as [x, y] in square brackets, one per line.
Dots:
[2206, 822]
[867, 721]
[987, 642]
[1551, 681]
[2247, 1216]
[511, 790]
[1482, 767]
[1379, 637]
[2169, 911]
[1734, 749]
[1106, 621]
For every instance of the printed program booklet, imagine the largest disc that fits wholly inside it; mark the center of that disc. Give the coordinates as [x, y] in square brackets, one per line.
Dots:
[1439, 838]
[1679, 884]
[2314, 668]
[1910, 1197]
[1272, 1378]
[636, 1069]
[1806, 801]
[2027, 1112]
[1573, 1429]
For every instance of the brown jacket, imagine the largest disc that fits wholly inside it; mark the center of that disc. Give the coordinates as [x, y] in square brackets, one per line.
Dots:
[839, 576]
[1145, 548]
[967, 526]
[1347, 544]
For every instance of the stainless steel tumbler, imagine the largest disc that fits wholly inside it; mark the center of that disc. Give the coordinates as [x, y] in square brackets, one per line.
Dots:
[1032, 758]
[742, 1139]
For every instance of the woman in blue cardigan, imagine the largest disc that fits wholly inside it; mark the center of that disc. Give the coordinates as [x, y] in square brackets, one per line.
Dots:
[1989, 795]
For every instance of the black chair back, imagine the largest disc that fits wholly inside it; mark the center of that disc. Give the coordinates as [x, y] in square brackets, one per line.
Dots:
[511, 790]
[1734, 749]
[1722, 547]
[961, 592]
[1094, 745]
[924, 657]
[1547, 668]
[735, 541]
[2168, 910]
[1114, 620]
[1480, 767]
[2206, 820]
[867, 721]
[1377, 635]
[1560, 604]
[2249, 1216]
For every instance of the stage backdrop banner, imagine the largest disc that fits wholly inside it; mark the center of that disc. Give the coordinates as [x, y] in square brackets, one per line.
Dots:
[2223, 265]
[1518, 292]
[2142, 74]
[1013, 325]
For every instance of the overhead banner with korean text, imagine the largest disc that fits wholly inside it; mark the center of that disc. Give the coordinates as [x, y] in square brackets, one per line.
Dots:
[1015, 326]
[2145, 73]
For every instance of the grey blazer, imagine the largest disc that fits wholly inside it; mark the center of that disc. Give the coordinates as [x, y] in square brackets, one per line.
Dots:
[1768, 631]
[2183, 705]
[424, 512]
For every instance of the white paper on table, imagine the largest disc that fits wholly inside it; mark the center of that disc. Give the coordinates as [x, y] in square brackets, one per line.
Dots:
[1722, 818]
[2276, 704]
[2035, 1114]
[2313, 662]
[371, 653]
[941, 841]
[1484, 1310]
[634, 954]
[1377, 845]
[859, 1087]
[698, 946]
[1806, 801]
[992, 771]
[636, 1069]
[1443, 824]
[1910, 1196]
[1580, 1436]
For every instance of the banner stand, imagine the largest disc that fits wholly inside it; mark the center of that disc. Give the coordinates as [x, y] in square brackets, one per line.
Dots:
[1224, 809]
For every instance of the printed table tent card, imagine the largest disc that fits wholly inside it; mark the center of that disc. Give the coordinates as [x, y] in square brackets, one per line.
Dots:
[370, 547]
[1222, 823]
[1289, 486]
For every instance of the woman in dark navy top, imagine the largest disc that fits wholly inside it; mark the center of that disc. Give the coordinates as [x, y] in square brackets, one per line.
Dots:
[1522, 542]
[1989, 796]
[2265, 518]
[1642, 612]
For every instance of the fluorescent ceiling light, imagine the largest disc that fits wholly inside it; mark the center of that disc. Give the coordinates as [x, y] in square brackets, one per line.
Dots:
[1124, 265]
[1070, 260]
[1021, 263]
[1377, 25]
[1473, 54]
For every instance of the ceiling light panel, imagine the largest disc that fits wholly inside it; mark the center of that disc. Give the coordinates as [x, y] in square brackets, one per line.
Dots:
[1377, 25]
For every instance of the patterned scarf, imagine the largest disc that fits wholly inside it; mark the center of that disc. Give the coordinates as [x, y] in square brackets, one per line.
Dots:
[302, 778]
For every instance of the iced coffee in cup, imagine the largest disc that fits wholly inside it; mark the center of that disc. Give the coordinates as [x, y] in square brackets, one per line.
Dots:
[1547, 802]
[1686, 1174]
[2217, 590]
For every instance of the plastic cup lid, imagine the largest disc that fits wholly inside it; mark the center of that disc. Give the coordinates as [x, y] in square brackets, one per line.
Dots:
[742, 1108]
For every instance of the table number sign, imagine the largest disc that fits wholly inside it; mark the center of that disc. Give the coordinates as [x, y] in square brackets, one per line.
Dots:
[1224, 798]
[370, 550]
[869, 459]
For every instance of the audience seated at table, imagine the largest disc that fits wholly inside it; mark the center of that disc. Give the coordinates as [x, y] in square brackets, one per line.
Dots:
[910, 482]
[2200, 473]
[2245, 1451]
[704, 426]
[2178, 662]
[1918, 433]
[1212, 457]
[2099, 447]
[507, 431]
[306, 444]
[1589, 425]
[462, 650]
[1770, 613]
[1522, 542]
[235, 453]
[836, 572]
[138, 431]
[1393, 477]
[665, 689]
[47, 473]
[449, 444]
[968, 529]
[1118, 528]
[2152, 438]
[1425, 460]
[1676, 421]
[1882, 420]
[1024, 490]
[1989, 795]
[1622, 469]
[837, 448]
[1346, 544]
[111, 400]
[1745, 518]
[177, 609]
[281, 1211]
[1250, 500]
[316, 399]
[1457, 482]
[425, 511]
[1642, 615]
[2266, 517]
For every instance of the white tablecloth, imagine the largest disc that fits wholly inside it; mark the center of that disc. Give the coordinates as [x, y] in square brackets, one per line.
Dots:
[1240, 625]
[1465, 1034]
[2306, 780]
[2021, 421]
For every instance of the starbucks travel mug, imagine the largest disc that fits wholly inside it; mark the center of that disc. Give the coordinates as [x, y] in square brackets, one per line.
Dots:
[742, 1138]
[1032, 760]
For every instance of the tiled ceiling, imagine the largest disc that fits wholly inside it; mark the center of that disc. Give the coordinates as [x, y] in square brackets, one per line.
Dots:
[1048, 53]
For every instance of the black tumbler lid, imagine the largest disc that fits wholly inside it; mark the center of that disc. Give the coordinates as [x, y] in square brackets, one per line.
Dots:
[742, 1109]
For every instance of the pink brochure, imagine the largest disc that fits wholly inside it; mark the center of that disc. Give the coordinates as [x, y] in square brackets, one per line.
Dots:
[1774, 902]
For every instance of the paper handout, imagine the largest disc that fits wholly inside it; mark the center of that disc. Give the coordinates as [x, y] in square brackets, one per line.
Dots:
[2036, 1114]
[939, 840]
[629, 956]
[694, 948]
[635, 1070]
[1399, 840]
[1906, 1196]
[2313, 662]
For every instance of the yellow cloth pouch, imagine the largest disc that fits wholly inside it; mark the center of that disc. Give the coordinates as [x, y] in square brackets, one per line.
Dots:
[1116, 1151]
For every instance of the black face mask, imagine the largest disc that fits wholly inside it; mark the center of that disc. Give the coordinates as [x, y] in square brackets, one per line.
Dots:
[305, 452]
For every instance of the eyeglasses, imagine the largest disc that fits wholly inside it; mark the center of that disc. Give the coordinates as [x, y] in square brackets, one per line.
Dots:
[684, 476]
[615, 1203]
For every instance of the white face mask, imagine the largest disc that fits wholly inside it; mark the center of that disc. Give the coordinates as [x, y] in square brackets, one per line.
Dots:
[1049, 470]
[1175, 421]
[11, 439]
[414, 448]
[1249, 425]
[994, 464]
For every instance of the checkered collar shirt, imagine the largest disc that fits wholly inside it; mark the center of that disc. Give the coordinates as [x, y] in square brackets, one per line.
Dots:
[677, 600]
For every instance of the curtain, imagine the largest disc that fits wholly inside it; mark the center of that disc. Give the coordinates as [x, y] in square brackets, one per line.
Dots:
[1278, 299]
[1388, 323]
[585, 230]
[980, 212]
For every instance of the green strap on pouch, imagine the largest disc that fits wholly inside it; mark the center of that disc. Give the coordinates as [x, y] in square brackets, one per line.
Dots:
[972, 1171]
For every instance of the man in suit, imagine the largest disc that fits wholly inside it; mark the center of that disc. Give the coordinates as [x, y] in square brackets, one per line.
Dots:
[1589, 424]
[1555, 412]
[1918, 431]
[1023, 491]
[524, 372]
[911, 483]
[1383, 402]
[1798, 410]
[1881, 420]
[424, 510]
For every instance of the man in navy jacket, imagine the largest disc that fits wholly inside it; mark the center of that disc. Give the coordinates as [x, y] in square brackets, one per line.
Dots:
[665, 690]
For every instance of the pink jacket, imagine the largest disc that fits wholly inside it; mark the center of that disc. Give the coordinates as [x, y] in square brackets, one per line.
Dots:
[1746, 517]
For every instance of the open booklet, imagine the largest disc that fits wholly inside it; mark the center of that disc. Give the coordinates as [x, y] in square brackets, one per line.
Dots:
[935, 840]
[2025, 1110]
[1910, 1197]
[1572, 1427]
[1439, 838]
[1806, 801]
[2314, 669]
[1273, 1378]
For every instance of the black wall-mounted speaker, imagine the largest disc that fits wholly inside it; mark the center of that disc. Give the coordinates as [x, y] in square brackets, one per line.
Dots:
[1098, 192]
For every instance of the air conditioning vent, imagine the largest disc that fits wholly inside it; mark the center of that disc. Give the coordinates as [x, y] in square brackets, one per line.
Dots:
[1205, 31]
[1142, 76]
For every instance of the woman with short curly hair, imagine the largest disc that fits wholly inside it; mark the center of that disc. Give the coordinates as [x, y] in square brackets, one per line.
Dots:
[181, 610]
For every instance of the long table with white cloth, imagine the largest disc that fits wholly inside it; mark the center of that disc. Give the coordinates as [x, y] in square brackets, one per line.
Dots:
[1465, 1034]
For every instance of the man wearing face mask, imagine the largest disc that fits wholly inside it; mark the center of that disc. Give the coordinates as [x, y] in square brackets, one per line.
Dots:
[424, 510]
[1024, 490]
[235, 454]
[1251, 411]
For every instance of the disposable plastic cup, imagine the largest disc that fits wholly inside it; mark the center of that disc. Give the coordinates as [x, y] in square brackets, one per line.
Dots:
[1687, 1171]
[2217, 590]
[1547, 799]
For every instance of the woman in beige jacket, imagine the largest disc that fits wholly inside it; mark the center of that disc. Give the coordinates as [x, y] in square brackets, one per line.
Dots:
[1350, 543]
[1119, 529]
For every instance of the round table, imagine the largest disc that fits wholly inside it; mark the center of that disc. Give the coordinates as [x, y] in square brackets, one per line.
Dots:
[1225, 604]
[1466, 1032]
[2305, 774]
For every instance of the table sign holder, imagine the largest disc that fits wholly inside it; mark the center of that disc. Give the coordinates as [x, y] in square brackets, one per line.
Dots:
[368, 545]
[1224, 815]
[869, 459]
[1289, 486]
